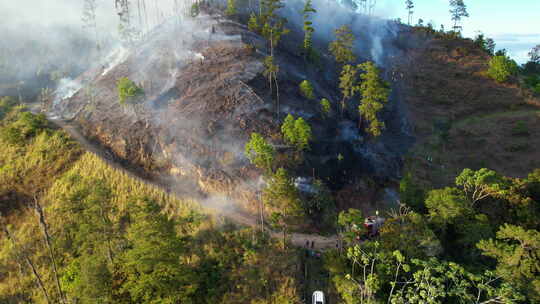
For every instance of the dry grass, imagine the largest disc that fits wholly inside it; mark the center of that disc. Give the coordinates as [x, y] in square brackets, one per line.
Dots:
[447, 84]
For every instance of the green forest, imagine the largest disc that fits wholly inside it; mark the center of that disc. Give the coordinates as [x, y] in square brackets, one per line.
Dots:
[78, 231]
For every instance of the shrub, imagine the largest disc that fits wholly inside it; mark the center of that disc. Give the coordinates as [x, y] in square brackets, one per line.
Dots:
[306, 89]
[128, 90]
[501, 67]
[325, 107]
[520, 129]
[6, 104]
[24, 128]
[253, 23]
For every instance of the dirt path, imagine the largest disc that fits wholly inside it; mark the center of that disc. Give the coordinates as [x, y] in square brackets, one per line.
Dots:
[298, 239]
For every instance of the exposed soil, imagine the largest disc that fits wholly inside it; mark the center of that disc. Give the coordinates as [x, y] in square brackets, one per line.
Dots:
[462, 119]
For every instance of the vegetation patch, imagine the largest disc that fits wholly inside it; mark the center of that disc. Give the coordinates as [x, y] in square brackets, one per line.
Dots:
[128, 91]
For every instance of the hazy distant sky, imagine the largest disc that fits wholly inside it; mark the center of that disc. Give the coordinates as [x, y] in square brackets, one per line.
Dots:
[514, 24]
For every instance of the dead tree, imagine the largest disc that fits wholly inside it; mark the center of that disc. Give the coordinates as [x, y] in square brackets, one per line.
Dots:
[41, 218]
[89, 19]
[128, 32]
[22, 256]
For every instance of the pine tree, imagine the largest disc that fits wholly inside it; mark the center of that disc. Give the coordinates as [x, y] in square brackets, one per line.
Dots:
[296, 132]
[283, 195]
[348, 83]
[517, 252]
[375, 93]
[308, 30]
[231, 8]
[409, 5]
[89, 18]
[260, 152]
[534, 54]
[128, 32]
[253, 24]
[152, 264]
[342, 47]
[458, 10]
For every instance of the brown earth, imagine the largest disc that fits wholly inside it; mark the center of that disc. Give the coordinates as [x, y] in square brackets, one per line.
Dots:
[488, 124]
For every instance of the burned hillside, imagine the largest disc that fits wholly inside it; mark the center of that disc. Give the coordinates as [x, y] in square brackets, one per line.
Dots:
[205, 93]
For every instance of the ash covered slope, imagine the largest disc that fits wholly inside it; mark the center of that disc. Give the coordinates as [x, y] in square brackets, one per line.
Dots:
[205, 94]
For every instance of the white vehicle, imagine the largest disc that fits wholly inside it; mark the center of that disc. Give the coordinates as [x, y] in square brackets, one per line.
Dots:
[318, 297]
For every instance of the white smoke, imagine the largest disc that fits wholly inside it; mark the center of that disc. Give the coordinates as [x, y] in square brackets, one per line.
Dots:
[117, 56]
[66, 89]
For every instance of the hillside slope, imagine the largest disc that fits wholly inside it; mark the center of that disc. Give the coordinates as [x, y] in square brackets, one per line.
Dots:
[205, 93]
[462, 118]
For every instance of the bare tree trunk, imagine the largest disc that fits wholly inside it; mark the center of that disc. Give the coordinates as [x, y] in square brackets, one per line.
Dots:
[277, 95]
[262, 214]
[22, 256]
[43, 224]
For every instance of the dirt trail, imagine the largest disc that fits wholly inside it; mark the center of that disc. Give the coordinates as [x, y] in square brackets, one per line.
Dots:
[297, 239]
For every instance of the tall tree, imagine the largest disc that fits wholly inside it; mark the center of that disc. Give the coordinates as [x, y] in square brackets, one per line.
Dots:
[534, 54]
[375, 93]
[308, 30]
[458, 10]
[517, 252]
[342, 47]
[44, 227]
[272, 28]
[231, 7]
[128, 32]
[348, 83]
[409, 5]
[89, 18]
[480, 184]
[282, 194]
[296, 132]
[260, 152]
[152, 264]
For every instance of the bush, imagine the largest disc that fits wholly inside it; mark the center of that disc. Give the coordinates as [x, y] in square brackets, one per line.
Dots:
[520, 129]
[325, 107]
[306, 89]
[24, 128]
[6, 104]
[128, 90]
[501, 67]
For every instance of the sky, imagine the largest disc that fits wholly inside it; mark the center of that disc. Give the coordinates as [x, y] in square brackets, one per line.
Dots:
[513, 24]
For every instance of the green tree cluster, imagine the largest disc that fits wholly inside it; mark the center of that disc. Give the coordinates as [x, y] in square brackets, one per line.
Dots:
[501, 68]
[296, 132]
[119, 240]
